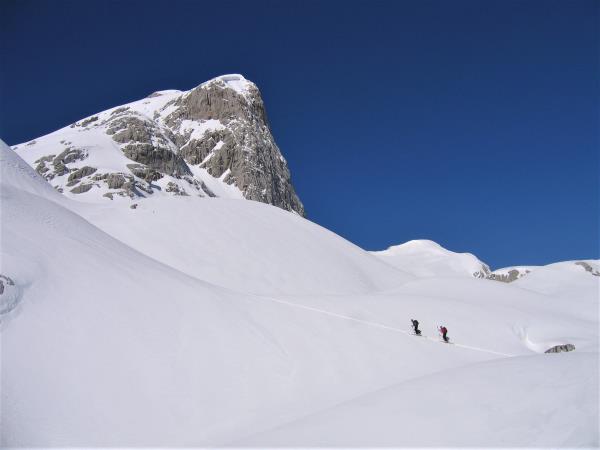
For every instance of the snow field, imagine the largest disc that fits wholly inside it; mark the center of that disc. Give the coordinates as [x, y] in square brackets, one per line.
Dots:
[199, 322]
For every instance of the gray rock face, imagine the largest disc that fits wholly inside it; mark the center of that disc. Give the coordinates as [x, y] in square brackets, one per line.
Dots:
[9, 294]
[82, 188]
[115, 180]
[196, 150]
[176, 190]
[245, 148]
[157, 158]
[86, 122]
[80, 173]
[588, 268]
[146, 144]
[51, 165]
[485, 272]
[143, 172]
[508, 277]
[4, 280]
[561, 348]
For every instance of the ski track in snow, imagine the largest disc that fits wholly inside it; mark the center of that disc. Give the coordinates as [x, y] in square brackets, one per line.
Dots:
[377, 325]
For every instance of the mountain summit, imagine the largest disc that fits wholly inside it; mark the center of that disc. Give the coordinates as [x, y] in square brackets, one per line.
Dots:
[213, 141]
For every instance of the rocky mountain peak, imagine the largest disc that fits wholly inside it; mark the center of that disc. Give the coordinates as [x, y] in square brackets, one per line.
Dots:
[213, 140]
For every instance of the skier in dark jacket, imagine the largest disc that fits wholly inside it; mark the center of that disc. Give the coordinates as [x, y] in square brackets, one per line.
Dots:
[415, 324]
[444, 332]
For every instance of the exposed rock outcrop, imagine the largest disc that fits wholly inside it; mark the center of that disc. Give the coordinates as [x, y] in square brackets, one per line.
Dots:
[82, 188]
[507, 277]
[80, 173]
[561, 348]
[9, 294]
[588, 268]
[158, 158]
[510, 274]
[245, 150]
[115, 180]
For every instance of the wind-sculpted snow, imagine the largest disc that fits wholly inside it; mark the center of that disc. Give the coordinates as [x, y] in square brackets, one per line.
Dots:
[121, 342]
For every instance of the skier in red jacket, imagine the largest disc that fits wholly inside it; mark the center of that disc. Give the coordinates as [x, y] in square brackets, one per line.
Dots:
[444, 331]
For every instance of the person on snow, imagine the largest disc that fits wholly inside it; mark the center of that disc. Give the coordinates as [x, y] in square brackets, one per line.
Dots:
[415, 324]
[444, 332]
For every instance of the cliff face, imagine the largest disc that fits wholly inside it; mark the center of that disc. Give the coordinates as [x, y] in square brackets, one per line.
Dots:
[213, 140]
[244, 152]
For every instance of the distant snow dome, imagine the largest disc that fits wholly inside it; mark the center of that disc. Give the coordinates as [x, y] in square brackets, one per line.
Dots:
[425, 258]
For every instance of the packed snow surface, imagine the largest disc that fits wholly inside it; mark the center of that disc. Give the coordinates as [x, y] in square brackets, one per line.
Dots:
[209, 322]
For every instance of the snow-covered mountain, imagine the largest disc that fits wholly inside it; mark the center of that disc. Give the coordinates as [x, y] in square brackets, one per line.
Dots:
[135, 311]
[211, 141]
[424, 258]
[114, 343]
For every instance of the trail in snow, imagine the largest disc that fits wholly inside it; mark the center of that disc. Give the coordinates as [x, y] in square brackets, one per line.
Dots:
[376, 324]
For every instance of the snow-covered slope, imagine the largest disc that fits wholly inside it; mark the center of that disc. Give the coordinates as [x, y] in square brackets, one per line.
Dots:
[108, 347]
[246, 246]
[213, 140]
[424, 258]
[478, 406]
[104, 344]
[569, 279]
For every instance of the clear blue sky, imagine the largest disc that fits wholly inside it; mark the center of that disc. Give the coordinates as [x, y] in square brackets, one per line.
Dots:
[472, 123]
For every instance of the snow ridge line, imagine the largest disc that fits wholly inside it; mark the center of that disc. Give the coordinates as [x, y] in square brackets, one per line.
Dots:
[374, 324]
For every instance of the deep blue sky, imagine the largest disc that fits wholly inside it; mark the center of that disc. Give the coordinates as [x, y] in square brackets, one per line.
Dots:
[472, 123]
